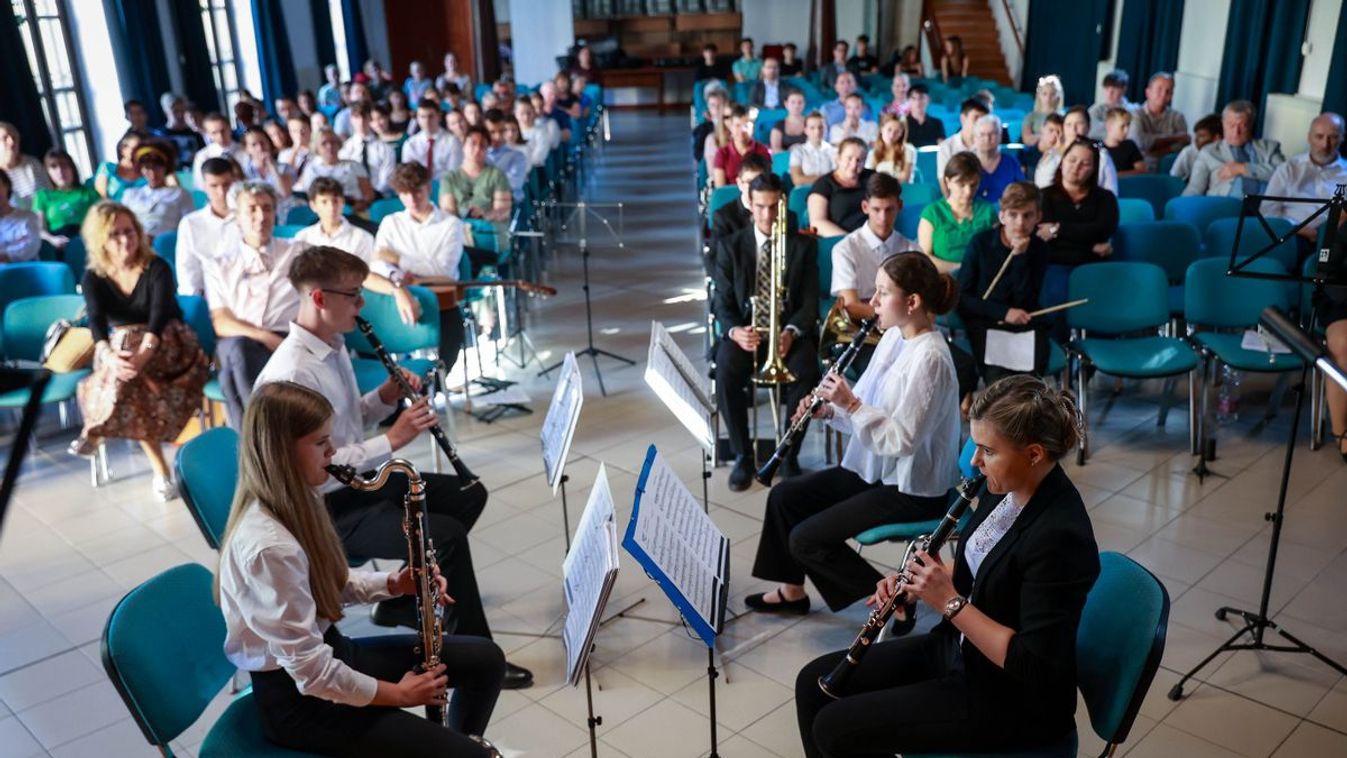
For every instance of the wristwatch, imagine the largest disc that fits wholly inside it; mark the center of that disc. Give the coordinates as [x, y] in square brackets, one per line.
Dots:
[954, 605]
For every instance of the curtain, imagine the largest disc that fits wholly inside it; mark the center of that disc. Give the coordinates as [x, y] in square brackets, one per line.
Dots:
[322, 32]
[273, 52]
[1148, 41]
[20, 105]
[1335, 91]
[357, 52]
[1065, 39]
[1262, 51]
[138, 46]
[198, 75]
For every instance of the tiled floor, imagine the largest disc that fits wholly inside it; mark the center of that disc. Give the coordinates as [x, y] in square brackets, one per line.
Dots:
[69, 552]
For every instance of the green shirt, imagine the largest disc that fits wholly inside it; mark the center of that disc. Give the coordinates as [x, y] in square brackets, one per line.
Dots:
[748, 68]
[64, 207]
[476, 193]
[948, 236]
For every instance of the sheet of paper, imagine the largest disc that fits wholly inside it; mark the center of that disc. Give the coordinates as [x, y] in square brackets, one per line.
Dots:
[1012, 350]
[1262, 342]
[588, 574]
[563, 414]
[684, 390]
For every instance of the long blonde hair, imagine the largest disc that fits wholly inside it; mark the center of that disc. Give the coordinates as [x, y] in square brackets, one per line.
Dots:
[279, 413]
[96, 231]
[897, 152]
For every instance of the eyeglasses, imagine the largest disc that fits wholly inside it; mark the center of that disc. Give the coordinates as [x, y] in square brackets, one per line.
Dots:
[353, 294]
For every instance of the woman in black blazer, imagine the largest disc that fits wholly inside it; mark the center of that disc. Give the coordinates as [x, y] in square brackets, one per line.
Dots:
[999, 672]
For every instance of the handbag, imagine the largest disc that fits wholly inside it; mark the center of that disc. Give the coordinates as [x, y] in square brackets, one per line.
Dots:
[67, 347]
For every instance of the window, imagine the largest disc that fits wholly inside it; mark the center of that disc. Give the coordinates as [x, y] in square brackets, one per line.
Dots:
[218, 23]
[46, 40]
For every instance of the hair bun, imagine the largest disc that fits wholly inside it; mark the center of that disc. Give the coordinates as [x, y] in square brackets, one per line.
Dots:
[948, 298]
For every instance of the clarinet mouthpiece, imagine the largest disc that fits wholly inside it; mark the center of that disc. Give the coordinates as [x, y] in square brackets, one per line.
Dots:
[343, 474]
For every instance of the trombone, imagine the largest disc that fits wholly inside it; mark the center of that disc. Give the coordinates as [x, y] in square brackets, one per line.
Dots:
[773, 371]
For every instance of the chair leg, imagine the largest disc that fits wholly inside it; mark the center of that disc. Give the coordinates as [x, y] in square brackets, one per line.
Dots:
[1083, 447]
[1166, 400]
[1193, 431]
[1316, 409]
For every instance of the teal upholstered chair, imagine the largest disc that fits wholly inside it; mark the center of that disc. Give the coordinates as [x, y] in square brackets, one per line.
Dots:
[386, 206]
[76, 257]
[25, 325]
[1219, 241]
[207, 470]
[168, 673]
[911, 530]
[720, 197]
[1134, 209]
[922, 194]
[196, 314]
[1201, 210]
[301, 215]
[799, 205]
[398, 338]
[1156, 189]
[33, 278]
[1119, 643]
[1171, 245]
[286, 231]
[166, 247]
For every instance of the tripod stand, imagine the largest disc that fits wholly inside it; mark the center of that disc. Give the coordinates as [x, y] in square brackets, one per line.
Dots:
[581, 214]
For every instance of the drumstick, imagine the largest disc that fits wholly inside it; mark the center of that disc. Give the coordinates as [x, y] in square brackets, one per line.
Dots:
[997, 278]
[1063, 306]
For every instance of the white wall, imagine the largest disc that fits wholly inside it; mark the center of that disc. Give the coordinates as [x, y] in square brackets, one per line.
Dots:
[172, 55]
[1201, 48]
[856, 17]
[1019, 10]
[776, 21]
[1324, 15]
[102, 88]
[548, 31]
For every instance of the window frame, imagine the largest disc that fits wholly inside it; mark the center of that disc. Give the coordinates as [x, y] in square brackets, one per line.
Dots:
[62, 135]
[209, 11]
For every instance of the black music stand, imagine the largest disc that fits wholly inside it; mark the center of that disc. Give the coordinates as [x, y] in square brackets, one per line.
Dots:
[36, 381]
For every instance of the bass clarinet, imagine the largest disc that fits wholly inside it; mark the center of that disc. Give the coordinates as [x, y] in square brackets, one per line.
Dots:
[796, 431]
[466, 478]
[834, 682]
[420, 555]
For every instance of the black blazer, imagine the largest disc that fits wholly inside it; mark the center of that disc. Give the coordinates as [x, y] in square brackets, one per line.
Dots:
[731, 217]
[1034, 581]
[735, 275]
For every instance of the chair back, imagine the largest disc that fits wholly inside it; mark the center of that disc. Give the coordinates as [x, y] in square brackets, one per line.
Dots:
[781, 164]
[825, 271]
[27, 319]
[1156, 189]
[909, 218]
[166, 246]
[1123, 297]
[29, 279]
[920, 194]
[382, 313]
[1220, 240]
[722, 196]
[163, 650]
[76, 257]
[1133, 209]
[196, 314]
[1171, 245]
[199, 199]
[1119, 643]
[301, 215]
[386, 206]
[767, 118]
[1201, 210]
[1211, 298]
[484, 234]
[286, 231]
[799, 205]
[926, 165]
[207, 468]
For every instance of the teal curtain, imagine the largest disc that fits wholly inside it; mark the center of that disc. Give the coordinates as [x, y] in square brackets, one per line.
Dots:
[273, 52]
[138, 46]
[1262, 51]
[198, 76]
[20, 104]
[1065, 39]
[322, 32]
[1148, 41]
[1335, 91]
[357, 50]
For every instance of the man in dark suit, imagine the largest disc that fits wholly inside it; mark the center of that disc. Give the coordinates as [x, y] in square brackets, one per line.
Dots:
[742, 349]
[731, 217]
[769, 91]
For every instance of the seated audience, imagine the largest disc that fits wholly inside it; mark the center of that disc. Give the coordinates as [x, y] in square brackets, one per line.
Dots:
[830, 71]
[713, 132]
[1125, 154]
[922, 128]
[731, 217]
[899, 87]
[264, 165]
[451, 75]
[835, 199]
[949, 223]
[20, 230]
[63, 205]
[863, 61]
[394, 136]
[113, 178]
[725, 167]
[908, 61]
[512, 161]
[1075, 125]
[789, 131]
[791, 65]
[961, 141]
[277, 134]
[329, 95]
[1079, 216]
[584, 64]
[1157, 128]
[998, 170]
[813, 158]
[177, 131]
[400, 115]
[221, 145]
[301, 135]
[892, 154]
[476, 189]
[327, 161]
[858, 256]
[836, 110]
[540, 134]
[1115, 89]
[1314, 173]
[360, 93]
[137, 117]
[364, 147]
[157, 205]
[769, 91]
[201, 231]
[548, 106]
[852, 124]
[1050, 145]
[746, 67]
[432, 146]
[415, 85]
[1048, 98]
[148, 370]
[1206, 131]
[711, 66]
[953, 59]
[1237, 164]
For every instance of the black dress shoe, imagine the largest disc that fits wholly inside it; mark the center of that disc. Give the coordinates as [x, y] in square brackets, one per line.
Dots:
[516, 677]
[395, 612]
[741, 476]
[758, 602]
[790, 467]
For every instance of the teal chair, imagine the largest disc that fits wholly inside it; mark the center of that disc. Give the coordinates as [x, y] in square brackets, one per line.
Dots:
[301, 215]
[25, 325]
[720, 197]
[1118, 330]
[76, 257]
[207, 469]
[1119, 644]
[387, 206]
[799, 205]
[1167, 163]
[397, 337]
[286, 231]
[1156, 189]
[767, 118]
[1171, 245]
[910, 530]
[167, 674]
[196, 314]
[166, 247]
[1220, 241]
[199, 199]
[781, 167]
[32, 278]
[825, 272]
[1132, 210]
[909, 218]
[1201, 210]
[926, 162]
[920, 194]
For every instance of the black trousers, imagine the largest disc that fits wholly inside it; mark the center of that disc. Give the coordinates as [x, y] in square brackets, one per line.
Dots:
[370, 526]
[475, 668]
[241, 359]
[735, 368]
[908, 695]
[809, 520]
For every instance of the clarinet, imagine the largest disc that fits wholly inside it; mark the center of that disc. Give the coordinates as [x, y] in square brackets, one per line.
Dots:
[420, 556]
[465, 476]
[835, 681]
[796, 431]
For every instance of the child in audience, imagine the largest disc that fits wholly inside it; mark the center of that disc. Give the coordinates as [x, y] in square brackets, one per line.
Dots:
[892, 153]
[852, 124]
[158, 206]
[812, 158]
[1050, 146]
[325, 162]
[297, 154]
[1206, 131]
[62, 206]
[1124, 152]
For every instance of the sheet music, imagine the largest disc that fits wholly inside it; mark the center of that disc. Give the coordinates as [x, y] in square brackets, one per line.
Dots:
[589, 572]
[683, 389]
[1260, 341]
[563, 414]
[680, 539]
[1012, 350]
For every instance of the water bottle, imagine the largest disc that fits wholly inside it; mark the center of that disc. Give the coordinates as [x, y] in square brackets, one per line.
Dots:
[1227, 403]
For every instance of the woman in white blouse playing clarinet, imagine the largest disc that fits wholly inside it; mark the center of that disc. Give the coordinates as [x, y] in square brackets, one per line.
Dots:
[903, 419]
[282, 582]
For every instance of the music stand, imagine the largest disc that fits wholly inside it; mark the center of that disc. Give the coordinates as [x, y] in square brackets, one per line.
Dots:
[1329, 272]
[36, 381]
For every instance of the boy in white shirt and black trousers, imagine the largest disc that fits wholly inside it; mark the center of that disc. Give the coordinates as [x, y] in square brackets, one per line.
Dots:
[329, 281]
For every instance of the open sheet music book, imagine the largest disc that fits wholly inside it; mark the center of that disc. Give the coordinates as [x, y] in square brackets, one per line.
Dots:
[680, 547]
[562, 416]
[589, 573]
[680, 385]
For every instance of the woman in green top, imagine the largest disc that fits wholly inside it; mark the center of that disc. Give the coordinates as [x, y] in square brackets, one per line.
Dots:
[947, 224]
[112, 179]
[476, 189]
[62, 207]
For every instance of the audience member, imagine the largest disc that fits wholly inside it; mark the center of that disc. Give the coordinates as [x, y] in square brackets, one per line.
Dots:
[148, 370]
[1314, 173]
[221, 144]
[360, 93]
[1075, 125]
[306, 102]
[63, 205]
[953, 59]
[731, 217]
[768, 91]
[747, 67]
[713, 132]
[177, 131]
[432, 146]
[549, 107]
[998, 171]
[378, 79]
[814, 158]
[540, 134]
[400, 116]
[297, 155]
[899, 87]
[961, 141]
[1050, 147]
[908, 61]
[584, 64]
[1237, 164]
[725, 167]
[451, 75]
[857, 257]
[264, 165]
[892, 154]
[836, 110]
[20, 230]
[512, 161]
[387, 133]
[329, 95]
[1206, 131]
[137, 117]
[711, 66]
[200, 232]
[852, 125]
[158, 206]
[277, 133]
[415, 86]
[791, 65]
[1115, 90]
[1048, 97]
[365, 148]
[863, 61]
[789, 131]
[476, 189]
[1125, 154]
[949, 223]
[319, 121]
[327, 161]
[835, 199]
[837, 66]
[1079, 216]
[26, 174]
[922, 129]
[113, 178]
[246, 115]
[1157, 128]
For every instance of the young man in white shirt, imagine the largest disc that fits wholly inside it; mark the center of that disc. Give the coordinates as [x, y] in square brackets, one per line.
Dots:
[434, 148]
[314, 355]
[512, 161]
[221, 145]
[857, 257]
[365, 147]
[961, 141]
[251, 300]
[200, 232]
[852, 125]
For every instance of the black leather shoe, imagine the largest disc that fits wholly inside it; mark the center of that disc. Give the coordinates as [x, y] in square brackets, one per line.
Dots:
[904, 626]
[516, 677]
[790, 467]
[396, 612]
[759, 603]
[741, 476]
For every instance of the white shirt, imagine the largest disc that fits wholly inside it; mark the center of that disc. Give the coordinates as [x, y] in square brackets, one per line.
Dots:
[159, 210]
[271, 621]
[813, 161]
[297, 157]
[448, 151]
[536, 145]
[20, 235]
[305, 359]
[549, 126]
[906, 432]
[990, 532]
[1183, 165]
[347, 173]
[888, 167]
[213, 150]
[1302, 177]
[27, 178]
[199, 236]
[349, 237]
[868, 131]
[948, 148]
[254, 284]
[856, 259]
[432, 248]
[512, 162]
[373, 155]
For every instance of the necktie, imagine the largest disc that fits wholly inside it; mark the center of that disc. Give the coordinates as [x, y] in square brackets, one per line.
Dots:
[364, 155]
[764, 286]
[430, 155]
[1241, 153]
